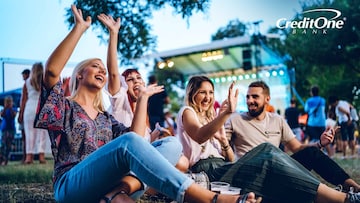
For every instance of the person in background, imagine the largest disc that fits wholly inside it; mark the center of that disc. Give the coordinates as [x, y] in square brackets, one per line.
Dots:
[270, 108]
[25, 75]
[292, 114]
[250, 129]
[93, 152]
[7, 129]
[156, 105]
[170, 123]
[266, 170]
[347, 126]
[331, 123]
[315, 108]
[35, 138]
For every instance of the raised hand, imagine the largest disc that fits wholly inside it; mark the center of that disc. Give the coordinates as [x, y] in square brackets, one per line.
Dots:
[110, 23]
[328, 135]
[79, 18]
[229, 105]
[150, 90]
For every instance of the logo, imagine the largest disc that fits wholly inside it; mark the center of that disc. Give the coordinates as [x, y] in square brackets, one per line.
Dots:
[321, 23]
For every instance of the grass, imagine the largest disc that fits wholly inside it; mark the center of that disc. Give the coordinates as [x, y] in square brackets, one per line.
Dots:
[15, 172]
[32, 183]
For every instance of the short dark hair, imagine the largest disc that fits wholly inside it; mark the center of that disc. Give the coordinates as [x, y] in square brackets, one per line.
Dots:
[293, 101]
[315, 90]
[261, 84]
[26, 72]
[332, 99]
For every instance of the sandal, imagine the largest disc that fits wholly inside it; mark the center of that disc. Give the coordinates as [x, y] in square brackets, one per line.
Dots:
[108, 200]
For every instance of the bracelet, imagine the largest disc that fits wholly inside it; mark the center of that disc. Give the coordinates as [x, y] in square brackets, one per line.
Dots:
[225, 148]
[319, 145]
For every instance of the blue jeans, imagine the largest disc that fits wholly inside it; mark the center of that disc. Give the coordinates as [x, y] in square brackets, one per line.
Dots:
[98, 173]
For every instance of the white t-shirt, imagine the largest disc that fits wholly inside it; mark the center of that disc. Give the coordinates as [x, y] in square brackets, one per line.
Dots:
[342, 117]
[121, 110]
[246, 133]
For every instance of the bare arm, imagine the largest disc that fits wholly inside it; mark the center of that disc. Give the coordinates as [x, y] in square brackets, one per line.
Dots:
[138, 124]
[201, 133]
[113, 27]
[59, 57]
[23, 100]
[326, 138]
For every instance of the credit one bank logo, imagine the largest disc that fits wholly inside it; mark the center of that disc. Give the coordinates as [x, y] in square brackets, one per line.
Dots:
[313, 25]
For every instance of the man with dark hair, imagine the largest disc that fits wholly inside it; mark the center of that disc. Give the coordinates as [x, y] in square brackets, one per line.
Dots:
[156, 105]
[292, 114]
[249, 129]
[347, 125]
[315, 108]
[25, 73]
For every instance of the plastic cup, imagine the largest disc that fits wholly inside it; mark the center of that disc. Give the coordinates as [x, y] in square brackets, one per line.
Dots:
[219, 187]
[232, 191]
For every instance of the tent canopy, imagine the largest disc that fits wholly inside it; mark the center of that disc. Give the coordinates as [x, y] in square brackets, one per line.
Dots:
[218, 56]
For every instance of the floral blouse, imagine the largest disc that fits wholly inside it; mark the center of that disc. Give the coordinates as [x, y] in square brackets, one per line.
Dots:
[73, 134]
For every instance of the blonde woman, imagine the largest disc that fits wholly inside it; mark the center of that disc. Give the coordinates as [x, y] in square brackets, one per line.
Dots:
[36, 139]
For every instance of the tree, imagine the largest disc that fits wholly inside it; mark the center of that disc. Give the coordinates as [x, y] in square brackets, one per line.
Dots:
[234, 28]
[135, 37]
[329, 58]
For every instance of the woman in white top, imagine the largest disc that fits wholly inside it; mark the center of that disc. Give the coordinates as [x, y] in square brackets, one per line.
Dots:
[36, 139]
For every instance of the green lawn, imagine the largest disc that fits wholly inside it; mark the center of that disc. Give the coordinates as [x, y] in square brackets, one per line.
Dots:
[24, 183]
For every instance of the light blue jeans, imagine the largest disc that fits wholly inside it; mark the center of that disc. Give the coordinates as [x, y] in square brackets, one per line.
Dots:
[93, 177]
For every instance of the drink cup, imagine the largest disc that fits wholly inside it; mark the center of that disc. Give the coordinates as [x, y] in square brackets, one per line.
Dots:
[219, 187]
[232, 191]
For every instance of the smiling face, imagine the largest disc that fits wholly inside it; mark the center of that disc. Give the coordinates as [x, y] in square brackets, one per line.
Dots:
[204, 97]
[93, 75]
[134, 81]
[256, 101]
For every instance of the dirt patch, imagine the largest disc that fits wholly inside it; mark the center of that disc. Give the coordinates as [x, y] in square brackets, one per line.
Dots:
[26, 193]
[43, 193]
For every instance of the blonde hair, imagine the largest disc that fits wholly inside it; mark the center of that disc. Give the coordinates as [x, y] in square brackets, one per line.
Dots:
[192, 89]
[8, 101]
[74, 83]
[36, 75]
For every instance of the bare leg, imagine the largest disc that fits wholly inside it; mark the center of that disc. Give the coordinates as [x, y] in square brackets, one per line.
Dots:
[326, 194]
[351, 183]
[352, 147]
[343, 147]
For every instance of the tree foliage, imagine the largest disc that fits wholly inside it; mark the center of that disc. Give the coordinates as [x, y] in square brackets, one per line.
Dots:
[135, 36]
[234, 28]
[328, 58]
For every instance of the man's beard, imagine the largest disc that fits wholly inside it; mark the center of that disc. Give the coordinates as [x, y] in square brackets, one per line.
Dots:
[256, 113]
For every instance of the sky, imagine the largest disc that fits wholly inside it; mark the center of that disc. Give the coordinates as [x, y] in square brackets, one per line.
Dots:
[31, 29]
